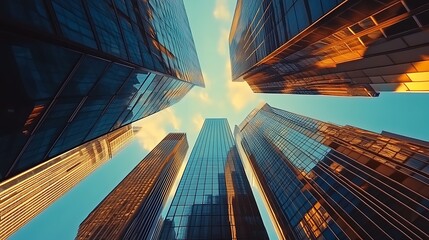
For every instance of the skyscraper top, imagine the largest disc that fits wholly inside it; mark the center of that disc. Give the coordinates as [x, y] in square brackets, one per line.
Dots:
[214, 199]
[331, 47]
[132, 210]
[76, 70]
[327, 181]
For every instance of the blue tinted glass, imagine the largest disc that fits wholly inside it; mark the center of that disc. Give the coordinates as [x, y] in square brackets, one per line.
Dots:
[131, 40]
[79, 127]
[315, 9]
[329, 4]
[139, 99]
[74, 22]
[47, 133]
[43, 67]
[213, 180]
[110, 82]
[110, 116]
[107, 29]
[30, 12]
[133, 84]
[89, 71]
[301, 15]
[120, 5]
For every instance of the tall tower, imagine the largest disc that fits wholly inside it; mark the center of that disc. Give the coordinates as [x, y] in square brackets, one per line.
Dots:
[214, 199]
[133, 208]
[26, 195]
[327, 181]
[331, 47]
[75, 70]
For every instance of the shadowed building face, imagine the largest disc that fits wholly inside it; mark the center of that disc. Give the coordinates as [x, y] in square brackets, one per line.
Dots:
[331, 47]
[214, 199]
[132, 210]
[74, 71]
[324, 180]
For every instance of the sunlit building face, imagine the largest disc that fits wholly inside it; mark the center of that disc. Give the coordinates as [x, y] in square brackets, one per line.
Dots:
[331, 47]
[133, 209]
[76, 70]
[214, 199]
[26, 195]
[322, 180]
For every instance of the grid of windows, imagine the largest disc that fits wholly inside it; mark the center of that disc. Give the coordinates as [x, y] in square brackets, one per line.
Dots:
[89, 67]
[133, 208]
[29, 193]
[342, 48]
[337, 182]
[213, 199]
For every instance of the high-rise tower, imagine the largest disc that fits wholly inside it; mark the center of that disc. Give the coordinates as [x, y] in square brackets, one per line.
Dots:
[214, 199]
[132, 210]
[26, 195]
[331, 47]
[327, 181]
[75, 70]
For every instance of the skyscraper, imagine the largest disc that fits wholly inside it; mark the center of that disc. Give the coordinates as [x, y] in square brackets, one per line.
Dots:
[26, 195]
[327, 181]
[75, 70]
[214, 199]
[133, 208]
[331, 47]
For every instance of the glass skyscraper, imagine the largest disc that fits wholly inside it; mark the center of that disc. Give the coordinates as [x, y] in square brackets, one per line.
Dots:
[26, 195]
[331, 47]
[214, 199]
[133, 209]
[336, 182]
[75, 70]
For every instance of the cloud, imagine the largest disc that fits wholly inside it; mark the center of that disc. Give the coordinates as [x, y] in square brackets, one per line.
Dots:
[221, 11]
[198, 121]
[239, 93]
[204, 97]
[201, 94]
[155, 127]
[206, 79]
[222, 45]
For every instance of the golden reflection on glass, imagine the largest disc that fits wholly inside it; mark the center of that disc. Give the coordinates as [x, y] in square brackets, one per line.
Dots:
[32, 117]
[331, 55]
[314, 221]
[134, 206]
[26, 195]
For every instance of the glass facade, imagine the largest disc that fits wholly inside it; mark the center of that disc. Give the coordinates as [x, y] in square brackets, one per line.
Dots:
[26, 195]
[214, 199]
[74, 71]
[324, 181]
[133, 209]
[331, 47]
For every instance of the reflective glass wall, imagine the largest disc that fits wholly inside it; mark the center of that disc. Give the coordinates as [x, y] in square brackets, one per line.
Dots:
[133, 209]
[74, 71]
[26, 195]
[324, 180]
[331, 47]
[214, 199]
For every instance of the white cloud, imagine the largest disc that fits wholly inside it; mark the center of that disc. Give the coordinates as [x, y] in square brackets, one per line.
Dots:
[239, 93]
[204, 97]
[221, 11]
[206, 79]
[155, 127]
[198, 121]
[201, 94]
[222, 45]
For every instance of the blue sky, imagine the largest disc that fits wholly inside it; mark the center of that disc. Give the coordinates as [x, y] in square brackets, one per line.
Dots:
[402, 113]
